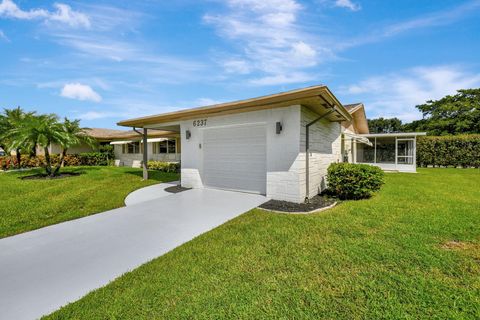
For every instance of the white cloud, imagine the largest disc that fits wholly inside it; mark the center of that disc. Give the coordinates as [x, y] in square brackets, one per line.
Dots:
[270, 37]
[397, 94]
[95, 115]
[3, 36]
[282, 79]
[207, 102]
[348, 4]
[238, 66]
[63, 14]
[80, 92]
[435, 19]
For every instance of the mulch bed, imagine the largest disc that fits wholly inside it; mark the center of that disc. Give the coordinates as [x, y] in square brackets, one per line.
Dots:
[317, 202]
[176, 189]
[43, 176]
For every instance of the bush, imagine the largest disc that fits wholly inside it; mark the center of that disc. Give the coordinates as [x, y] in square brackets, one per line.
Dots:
[94, 159]
[449, 151]
[354, 181]
[71, 160]
[164, 166]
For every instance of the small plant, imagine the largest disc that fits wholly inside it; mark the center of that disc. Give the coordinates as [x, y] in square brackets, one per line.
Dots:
[164, 166]
[354, 181]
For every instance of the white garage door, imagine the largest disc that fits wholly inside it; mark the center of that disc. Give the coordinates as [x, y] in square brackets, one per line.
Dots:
[235, 158]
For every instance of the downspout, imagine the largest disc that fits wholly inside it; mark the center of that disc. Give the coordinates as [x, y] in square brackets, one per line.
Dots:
[307, 151]
[145, 152]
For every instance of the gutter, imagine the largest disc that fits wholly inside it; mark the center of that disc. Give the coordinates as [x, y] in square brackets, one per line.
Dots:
[307, 149]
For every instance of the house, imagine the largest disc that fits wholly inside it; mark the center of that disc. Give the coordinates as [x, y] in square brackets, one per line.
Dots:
[162, 145]
[389, 151]
[259, 145]
[128, 147]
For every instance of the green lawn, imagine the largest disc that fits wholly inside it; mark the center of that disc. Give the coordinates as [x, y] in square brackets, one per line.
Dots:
[388, 257]
[31, 204]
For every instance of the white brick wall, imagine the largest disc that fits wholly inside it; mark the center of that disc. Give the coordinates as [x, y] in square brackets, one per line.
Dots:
[325, 148]
[285, 152]
[282, 149]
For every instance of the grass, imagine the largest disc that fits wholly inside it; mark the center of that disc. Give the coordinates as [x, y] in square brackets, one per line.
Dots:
[31, 204]
[410, 252]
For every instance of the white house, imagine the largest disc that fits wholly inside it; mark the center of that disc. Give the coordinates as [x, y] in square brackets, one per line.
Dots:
[259, 145]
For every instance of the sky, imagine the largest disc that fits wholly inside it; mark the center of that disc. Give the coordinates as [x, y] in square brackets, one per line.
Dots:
[106, 61]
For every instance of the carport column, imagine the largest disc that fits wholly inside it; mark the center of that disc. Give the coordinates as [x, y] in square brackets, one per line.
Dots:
[145, 155]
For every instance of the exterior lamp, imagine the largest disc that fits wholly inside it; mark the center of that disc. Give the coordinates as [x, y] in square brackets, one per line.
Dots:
[279, 127]
[188, 134]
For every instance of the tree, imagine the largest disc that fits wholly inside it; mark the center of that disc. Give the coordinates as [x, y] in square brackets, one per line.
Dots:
[10, 121]
[457, 114]
[41, 131]
[73, 135]
[385, 125]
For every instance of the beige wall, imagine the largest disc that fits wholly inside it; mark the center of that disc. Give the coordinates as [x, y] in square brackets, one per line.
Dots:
[56, 149]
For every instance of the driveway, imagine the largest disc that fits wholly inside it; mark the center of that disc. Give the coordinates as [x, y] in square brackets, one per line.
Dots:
[45, 269]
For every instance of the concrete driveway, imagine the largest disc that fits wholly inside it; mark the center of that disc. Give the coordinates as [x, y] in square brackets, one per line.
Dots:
[45, 269]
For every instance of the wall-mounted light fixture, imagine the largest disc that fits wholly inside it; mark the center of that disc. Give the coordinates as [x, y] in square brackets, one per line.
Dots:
[279, 127]
[188, 134]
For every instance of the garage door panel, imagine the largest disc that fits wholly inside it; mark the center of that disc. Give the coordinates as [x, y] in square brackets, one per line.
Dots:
[235, 158]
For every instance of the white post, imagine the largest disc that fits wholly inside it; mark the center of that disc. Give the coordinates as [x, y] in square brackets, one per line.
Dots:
[396, 152]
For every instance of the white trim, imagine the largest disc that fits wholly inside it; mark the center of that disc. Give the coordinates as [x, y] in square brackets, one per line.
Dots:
[358, 138]
[121, 142]
[398, 134]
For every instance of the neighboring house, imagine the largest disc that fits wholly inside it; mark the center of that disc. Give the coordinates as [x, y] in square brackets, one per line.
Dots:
[102, 137]
[259, 145]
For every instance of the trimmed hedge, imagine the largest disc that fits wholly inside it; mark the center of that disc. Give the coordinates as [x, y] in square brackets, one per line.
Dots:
[354, 181]
[164, 166]
[449, 151]
[82, 159]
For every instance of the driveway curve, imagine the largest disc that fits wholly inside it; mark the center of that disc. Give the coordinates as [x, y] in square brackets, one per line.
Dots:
[45, 269]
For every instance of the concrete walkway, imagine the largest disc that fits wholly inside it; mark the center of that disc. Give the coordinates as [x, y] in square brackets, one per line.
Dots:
[156, 191]
[45, 269]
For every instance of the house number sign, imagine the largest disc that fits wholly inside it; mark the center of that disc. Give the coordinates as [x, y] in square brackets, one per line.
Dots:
[200, 123]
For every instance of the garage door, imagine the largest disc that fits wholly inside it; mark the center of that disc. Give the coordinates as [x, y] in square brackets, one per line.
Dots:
[235, 158]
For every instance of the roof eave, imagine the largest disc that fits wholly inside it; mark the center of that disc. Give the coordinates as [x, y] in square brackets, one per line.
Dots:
[266, 102]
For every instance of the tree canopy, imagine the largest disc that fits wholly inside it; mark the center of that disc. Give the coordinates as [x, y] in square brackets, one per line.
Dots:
[450, 115]
[385, 125]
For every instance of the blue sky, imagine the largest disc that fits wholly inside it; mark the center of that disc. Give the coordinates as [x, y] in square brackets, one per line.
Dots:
[104, 61]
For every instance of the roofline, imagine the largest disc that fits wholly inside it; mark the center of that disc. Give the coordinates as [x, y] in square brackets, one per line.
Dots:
[252, 104]
[397, 134]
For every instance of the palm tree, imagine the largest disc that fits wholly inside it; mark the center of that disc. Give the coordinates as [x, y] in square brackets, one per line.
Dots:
[10, 122]
[42, 131]
[73, 135]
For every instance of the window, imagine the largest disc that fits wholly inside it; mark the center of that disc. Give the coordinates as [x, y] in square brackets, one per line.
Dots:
[166, 146]
[132, 147]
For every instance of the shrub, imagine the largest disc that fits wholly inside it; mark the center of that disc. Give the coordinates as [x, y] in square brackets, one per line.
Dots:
[71, 160]
[449, 151]
[94, 159]
[354, 181]
[164, 166]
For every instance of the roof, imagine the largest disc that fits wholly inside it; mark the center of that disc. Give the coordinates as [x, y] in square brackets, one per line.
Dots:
[101, 133]
[353, 107]
[357, 110]
[111, 134]
[397, 134]
[316, 98]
